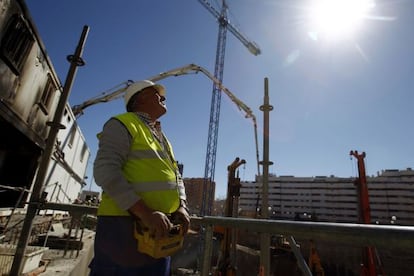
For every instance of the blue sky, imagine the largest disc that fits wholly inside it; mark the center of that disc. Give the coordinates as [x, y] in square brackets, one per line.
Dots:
[330, 96]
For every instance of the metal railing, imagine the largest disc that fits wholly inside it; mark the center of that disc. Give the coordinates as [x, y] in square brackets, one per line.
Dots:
[390, 236]
[401, 237]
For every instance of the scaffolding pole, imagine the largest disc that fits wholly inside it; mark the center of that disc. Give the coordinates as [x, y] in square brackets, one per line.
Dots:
[265, 237]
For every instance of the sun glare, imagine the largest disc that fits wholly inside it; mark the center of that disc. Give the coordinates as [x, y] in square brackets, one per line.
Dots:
[336, 19]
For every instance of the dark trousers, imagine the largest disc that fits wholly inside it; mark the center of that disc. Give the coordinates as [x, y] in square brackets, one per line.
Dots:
[115, 251]
[160, 268]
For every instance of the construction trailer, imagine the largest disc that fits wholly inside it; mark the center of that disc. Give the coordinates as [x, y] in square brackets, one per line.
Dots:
[29, 94]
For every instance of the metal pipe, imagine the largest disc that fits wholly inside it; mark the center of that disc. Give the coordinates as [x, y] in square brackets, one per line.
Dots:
[299, 258]
[390, 236]
[38, 186]
[76, 208]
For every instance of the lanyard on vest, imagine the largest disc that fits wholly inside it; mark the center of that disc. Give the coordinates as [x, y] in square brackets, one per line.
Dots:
[166, 148]
[159, 136]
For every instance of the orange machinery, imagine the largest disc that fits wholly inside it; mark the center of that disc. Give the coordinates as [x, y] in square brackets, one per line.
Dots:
[226, 263]
[368, 267]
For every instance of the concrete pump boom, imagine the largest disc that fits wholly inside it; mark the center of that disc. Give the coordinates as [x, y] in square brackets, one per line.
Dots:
[190, 68]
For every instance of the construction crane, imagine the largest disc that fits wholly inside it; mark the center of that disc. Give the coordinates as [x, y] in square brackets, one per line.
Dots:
[78, 110]
[224, 25]
[368, 267]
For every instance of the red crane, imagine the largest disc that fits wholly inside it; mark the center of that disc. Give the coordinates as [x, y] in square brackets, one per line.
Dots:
[362, 189]
[368, 267]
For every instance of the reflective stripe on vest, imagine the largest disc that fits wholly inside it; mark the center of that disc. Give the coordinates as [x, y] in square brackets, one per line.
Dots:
[141, 187]
[148, 169]
[146, 154]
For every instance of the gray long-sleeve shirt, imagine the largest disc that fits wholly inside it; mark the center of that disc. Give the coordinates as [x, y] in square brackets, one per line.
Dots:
[114, 147]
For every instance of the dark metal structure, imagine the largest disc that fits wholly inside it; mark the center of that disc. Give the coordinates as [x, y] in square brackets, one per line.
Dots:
[224, 25]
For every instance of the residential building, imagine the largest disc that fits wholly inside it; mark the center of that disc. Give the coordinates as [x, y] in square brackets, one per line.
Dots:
[333, 199]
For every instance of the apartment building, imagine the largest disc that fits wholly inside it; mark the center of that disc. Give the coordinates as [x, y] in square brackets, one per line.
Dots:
[333, 199]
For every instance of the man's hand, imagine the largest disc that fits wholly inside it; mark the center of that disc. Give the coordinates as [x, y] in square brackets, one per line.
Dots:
[157, 222]
[182, 217]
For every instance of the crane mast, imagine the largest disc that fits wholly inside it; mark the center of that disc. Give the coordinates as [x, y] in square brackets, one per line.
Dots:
[224, 25]
[362, 189]
[368, 267]
[208, 191]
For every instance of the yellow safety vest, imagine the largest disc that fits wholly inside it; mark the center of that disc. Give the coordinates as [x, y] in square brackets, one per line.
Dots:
[150, 169]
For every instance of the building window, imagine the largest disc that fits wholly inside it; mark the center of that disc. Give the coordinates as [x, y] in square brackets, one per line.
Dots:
[72, 134]
[83, 152]
[47, 96]
[16, 44]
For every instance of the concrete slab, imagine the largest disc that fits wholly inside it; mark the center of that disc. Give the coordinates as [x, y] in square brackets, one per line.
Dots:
[70, 264]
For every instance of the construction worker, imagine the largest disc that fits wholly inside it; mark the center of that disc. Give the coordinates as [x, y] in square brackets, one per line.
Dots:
[139, 176]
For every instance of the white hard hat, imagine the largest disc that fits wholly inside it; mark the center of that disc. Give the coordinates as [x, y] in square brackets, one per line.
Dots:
[138, 86]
